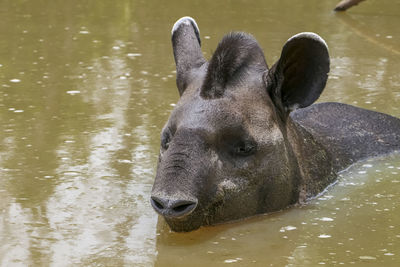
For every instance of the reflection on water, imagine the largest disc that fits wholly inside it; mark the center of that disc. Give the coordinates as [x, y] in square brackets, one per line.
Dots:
[85, 88]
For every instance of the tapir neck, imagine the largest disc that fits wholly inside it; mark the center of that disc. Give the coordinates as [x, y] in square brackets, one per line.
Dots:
[315, 163]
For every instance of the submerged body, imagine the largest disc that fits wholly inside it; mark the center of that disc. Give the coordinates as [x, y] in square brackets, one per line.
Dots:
[245, 139]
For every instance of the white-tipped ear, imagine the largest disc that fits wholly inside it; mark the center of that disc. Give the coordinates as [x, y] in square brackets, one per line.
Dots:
[187, 21]
[309, 35]
[187, 52]
[299, 77]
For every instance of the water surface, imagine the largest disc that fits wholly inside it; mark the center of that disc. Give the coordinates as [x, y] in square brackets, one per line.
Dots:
[85, 88]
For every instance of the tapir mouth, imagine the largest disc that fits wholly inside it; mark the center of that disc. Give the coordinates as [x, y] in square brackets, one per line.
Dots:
[187, 224]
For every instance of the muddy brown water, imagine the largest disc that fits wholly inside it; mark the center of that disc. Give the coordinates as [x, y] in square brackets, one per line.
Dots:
[85, 88]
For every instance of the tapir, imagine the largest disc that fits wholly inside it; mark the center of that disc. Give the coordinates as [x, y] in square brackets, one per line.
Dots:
[246, 139]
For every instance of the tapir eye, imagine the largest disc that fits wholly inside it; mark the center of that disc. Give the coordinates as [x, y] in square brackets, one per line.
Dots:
[165, 139]
[244, 148]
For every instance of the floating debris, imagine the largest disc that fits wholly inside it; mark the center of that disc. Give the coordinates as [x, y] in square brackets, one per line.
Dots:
[134, 55]
[367, 258]
[232, 260]
[73, 92]
[287, 228]
[326, 219]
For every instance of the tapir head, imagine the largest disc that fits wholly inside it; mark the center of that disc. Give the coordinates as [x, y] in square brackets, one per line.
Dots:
[225, 152]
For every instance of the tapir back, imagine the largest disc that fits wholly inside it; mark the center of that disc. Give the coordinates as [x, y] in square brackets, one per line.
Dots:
[350, 133]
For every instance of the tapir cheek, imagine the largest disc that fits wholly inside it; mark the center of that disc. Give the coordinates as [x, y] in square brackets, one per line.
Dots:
[227, 187]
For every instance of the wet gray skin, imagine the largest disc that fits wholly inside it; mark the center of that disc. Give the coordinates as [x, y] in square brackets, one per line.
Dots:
[245, 139]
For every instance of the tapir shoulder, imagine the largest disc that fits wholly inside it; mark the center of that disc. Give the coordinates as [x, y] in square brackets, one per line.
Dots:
[350, 133]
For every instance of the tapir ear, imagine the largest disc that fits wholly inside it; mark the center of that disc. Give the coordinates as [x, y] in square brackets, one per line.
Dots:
[300, 75]
[187, 52]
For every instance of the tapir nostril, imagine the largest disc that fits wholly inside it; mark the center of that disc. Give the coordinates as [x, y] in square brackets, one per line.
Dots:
[158, 204]
[182, 206]
[173, 208]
